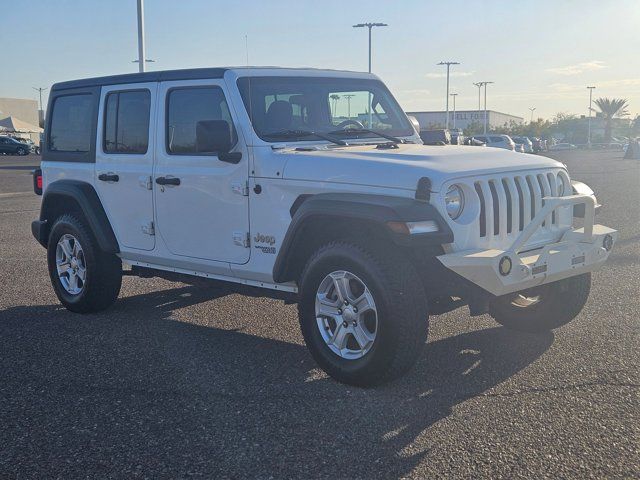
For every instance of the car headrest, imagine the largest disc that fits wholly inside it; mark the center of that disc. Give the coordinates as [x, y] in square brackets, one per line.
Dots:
[279, 115]
[213, 136]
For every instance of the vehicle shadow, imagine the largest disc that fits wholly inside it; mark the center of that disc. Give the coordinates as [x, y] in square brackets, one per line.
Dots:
[135, 391]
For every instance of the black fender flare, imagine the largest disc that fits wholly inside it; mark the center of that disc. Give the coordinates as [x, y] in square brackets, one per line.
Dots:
[84, 195]
[376, 209]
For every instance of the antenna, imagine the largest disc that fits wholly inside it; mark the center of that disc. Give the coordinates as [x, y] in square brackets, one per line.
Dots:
[246, 47]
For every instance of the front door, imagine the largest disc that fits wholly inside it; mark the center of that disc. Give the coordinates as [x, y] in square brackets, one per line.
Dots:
[124, 161]
[202, 203]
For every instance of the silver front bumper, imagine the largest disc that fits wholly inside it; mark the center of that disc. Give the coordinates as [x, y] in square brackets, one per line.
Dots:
[579, 250]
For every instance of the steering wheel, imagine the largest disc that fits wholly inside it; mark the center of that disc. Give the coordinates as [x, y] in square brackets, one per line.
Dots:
[346, 123]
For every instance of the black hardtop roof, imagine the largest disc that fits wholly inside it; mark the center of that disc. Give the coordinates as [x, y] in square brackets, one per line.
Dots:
[163, 75]
[158, 76]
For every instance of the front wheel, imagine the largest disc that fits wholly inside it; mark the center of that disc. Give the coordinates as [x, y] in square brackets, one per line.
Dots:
[21, 151]
[85, 278]
[363, 316]
[543, 308]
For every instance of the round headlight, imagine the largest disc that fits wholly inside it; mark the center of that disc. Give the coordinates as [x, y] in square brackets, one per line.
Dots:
[454, 201]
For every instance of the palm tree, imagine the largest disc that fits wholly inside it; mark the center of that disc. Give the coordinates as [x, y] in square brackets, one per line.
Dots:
[610, 108]
[335, 97]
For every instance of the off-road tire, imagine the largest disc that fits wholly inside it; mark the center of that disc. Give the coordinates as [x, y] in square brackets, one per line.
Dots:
[103, 270]
[560, 302]
[403, 319]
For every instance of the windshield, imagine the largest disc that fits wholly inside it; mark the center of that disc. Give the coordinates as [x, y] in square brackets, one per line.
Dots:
[279, 107]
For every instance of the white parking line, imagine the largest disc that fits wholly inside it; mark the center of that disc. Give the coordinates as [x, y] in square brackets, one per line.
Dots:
[15, 194]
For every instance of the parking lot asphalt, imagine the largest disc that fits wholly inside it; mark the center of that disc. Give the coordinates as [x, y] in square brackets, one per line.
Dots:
[180, 381]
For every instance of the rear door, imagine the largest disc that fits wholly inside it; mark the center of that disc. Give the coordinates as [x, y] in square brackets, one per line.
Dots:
[205, 215]
[124, 161]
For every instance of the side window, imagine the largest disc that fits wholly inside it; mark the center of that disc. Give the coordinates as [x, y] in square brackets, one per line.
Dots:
[71, 121]
[191, 110]
[497, 139]
[126, 122]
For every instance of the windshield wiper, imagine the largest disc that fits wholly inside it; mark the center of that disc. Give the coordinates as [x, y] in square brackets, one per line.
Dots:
[305, 133]
[366, 130]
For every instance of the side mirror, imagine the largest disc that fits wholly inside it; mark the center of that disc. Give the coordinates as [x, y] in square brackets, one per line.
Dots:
[414, 121]
[214, 136]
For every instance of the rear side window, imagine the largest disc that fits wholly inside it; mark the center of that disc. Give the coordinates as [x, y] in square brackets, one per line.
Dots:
[189, 107]
[126, 122]
[498, 139]
[71, 124]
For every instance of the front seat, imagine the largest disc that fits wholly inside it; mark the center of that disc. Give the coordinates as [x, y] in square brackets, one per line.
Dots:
[279, 116]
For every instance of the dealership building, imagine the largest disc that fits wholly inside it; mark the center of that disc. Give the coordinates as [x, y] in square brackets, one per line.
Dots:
[463, 118]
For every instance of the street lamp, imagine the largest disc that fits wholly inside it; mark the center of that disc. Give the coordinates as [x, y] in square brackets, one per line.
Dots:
[590, 108]
[141, 60]
[448, 64]
[40, 90]
[532, 110]
[348, 97]
[454, 95]
[483, 84]
[370, 25]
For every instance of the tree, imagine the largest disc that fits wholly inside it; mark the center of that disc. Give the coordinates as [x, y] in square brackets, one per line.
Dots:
[335, 97]
[610, 108]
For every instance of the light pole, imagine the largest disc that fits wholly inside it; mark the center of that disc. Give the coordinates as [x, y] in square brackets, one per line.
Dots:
[141, 54]
[40, 90]
[370, 25]
[479, 85]
[454, 95]
[483, 84]
[589, 135]
[448, 64]
[532, 110]
[348, 97]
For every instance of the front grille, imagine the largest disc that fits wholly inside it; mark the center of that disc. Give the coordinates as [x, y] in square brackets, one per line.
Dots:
[507, 203]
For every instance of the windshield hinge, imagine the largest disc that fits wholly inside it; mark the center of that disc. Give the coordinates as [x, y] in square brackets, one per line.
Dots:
[149, 228]
[241, 188]
[241, 239]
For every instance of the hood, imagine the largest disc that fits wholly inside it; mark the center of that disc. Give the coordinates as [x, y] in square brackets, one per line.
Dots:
[402, 167]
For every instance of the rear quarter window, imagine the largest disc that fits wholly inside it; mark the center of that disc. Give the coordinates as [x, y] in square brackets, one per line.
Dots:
[71, 124]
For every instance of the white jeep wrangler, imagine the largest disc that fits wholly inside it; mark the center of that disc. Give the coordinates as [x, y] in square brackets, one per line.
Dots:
[312, 186]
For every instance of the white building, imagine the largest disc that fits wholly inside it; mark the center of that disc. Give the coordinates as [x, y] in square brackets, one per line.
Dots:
[435, 120]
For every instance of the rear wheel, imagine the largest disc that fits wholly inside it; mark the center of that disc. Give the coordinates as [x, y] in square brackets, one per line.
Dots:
[545, 307]
[85, 278]
[363, 316]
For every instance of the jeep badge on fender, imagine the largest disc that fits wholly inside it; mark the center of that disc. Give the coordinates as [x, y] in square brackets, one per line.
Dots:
[371, 225]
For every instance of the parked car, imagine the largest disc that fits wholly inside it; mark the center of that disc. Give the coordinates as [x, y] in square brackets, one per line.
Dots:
[525, 142]
[539, 145]
[435, 137]
[32, 146]
[243, 176]
[11, 146]
[562, 146]
[457, 138]
[497, 141]
[475, 142]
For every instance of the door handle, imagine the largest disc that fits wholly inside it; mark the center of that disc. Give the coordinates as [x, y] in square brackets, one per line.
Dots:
[109, 177]
[168, 181]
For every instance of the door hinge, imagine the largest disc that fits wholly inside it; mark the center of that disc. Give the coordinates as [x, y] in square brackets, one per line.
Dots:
[145, 182]
[241, 188]
[149, 228]
[241, 239]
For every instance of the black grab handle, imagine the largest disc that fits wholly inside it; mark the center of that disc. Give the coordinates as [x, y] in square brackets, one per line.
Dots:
[108, 177]
[168, 181]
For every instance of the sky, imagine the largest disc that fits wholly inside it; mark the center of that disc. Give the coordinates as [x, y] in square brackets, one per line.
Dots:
[540, 54]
